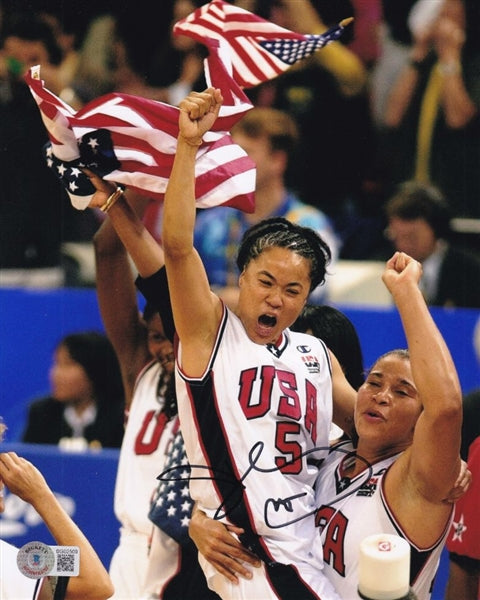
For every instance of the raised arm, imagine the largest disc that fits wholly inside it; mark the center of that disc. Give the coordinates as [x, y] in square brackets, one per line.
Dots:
[343, 399]
[429, 467]
[458, 106]
[116, 292]
[343, 64]
[445, 40]
[25, 480]
[196, 310]
[406, 83]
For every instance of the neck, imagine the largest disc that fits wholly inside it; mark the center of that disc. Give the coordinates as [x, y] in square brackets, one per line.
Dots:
[81, 404]
[366, 456]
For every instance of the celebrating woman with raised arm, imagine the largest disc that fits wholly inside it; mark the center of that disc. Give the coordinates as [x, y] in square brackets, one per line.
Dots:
[255, 399]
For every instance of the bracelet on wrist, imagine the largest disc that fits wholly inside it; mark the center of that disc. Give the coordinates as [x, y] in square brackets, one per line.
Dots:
[111, 199]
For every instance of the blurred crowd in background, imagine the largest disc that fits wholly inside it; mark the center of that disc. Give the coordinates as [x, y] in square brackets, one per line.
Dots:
[370, 111]
[374, 141]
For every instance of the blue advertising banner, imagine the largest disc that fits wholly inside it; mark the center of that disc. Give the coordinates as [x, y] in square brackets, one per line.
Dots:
[84, 484]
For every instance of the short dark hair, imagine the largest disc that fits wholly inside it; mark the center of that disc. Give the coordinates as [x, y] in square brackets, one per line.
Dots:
[415, 200]
[339, 334]
[27, 25]
[402, 353]
[276, 125]
[279, 232]
[95, 353]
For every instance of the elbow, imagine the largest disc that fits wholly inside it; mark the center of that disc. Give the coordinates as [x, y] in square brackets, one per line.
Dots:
[392, 116]
[99, 247]
[450, 410]
[452, 414]
[176, 247]
[454, 398]
[105, 244]
[446, 406]
[103, 591]
[353, 82]
[108, 593]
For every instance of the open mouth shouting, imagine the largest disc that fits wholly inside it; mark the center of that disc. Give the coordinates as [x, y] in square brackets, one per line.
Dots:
[267, 320]
[265, 325]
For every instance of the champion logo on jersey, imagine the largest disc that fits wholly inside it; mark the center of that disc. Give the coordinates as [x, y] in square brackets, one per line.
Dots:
[304, 349]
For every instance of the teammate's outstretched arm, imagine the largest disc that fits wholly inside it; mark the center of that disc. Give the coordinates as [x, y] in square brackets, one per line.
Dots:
[25, 481]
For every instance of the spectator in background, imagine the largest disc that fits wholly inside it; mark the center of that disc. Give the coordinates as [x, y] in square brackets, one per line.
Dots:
[86, 404]
[155, 65]
[432, 116]
[326, 94]
[26, 40]
[269, 137]
[30, 250]
[176, 64]
[394, 40]
[68, 23]
[365, 42]
[25, 481]
[418, 218]
[94, 72]
[30, 195]
[463, 542]
[148, 65]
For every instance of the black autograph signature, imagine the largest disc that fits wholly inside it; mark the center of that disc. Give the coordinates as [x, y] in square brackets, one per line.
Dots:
[273, 506]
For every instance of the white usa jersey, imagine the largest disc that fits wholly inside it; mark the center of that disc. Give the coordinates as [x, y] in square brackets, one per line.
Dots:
[13, 584]
[352, 509]
[143, 452]
[256, 428]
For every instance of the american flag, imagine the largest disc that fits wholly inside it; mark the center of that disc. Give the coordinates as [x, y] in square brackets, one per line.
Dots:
[132, 141]
[260, 50]
[171, 507]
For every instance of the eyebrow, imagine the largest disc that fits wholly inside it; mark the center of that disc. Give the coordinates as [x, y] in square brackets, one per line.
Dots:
[270, 276]
[379, 375]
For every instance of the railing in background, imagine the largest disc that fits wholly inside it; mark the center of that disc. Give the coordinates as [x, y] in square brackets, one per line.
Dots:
[32, 322]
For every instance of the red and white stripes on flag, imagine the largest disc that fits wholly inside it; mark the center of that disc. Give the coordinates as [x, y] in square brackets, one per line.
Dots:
[260, 50]
[132, 141]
